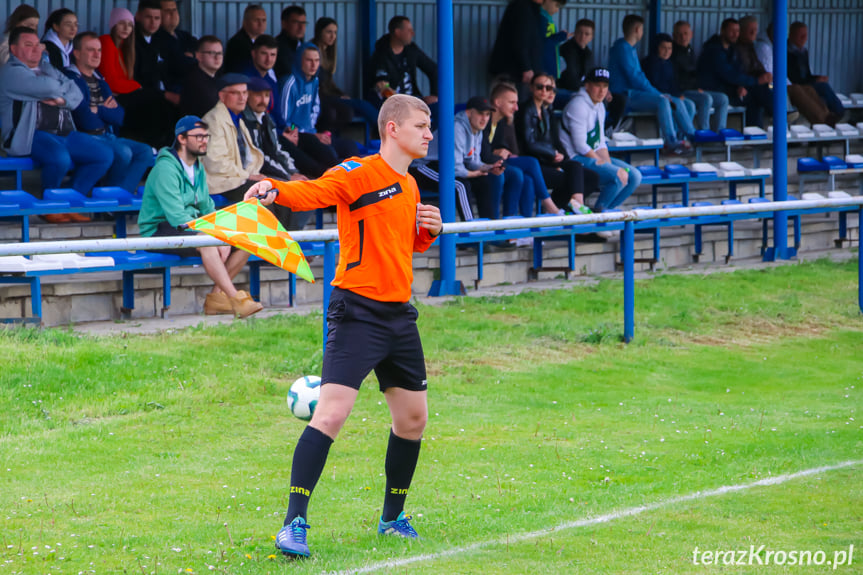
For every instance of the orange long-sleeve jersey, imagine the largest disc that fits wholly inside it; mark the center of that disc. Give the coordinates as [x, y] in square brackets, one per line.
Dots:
[376, 211]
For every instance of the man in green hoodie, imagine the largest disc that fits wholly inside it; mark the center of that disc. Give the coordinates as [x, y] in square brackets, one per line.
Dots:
[176, 192]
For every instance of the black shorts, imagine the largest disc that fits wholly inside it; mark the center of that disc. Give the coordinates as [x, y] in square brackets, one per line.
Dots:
[165, 229]
[364, 335]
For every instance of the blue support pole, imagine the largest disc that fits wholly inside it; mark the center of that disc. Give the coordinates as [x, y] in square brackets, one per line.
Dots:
[447, 284]
[654, 21]
[860, 267]
[329, 276]
[128, 290]
[166, 289]
[780, 249]
[627, 256]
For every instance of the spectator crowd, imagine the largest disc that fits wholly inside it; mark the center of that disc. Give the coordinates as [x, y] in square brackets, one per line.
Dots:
[108, 107]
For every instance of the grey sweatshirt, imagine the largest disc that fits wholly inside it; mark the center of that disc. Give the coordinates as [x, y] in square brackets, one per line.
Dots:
[467, 147]
[21, 89]
[583, 123]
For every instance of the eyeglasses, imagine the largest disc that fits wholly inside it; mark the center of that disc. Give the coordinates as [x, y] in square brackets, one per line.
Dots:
[547, 87]
[199, 137]
[212, 53]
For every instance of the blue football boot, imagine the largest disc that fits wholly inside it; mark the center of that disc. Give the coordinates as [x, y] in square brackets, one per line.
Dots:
[401, 527]
[291, 540]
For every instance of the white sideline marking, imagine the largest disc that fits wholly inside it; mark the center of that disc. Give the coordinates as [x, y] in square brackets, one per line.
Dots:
[630, 512]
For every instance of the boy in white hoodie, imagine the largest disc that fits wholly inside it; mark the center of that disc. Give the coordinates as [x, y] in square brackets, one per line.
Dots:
[583, 138]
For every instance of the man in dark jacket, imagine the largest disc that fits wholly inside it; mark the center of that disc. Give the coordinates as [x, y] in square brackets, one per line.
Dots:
[746, 49]
[579, 61]
[293, 33]
[577, 56]
[238, 52]
[150, 64]
[685, 66]
[517, 52]
[264, 57]
[659, 70]
[720, 70]
[153, 110]
[800, 73]
[201, 88]
[101, 116]
[178, 46]
[395, 62]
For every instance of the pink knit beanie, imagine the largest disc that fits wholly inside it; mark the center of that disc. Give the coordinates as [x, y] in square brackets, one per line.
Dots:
[118, 15]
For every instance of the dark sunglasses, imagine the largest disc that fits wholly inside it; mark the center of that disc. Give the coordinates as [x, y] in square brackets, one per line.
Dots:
[546, 87]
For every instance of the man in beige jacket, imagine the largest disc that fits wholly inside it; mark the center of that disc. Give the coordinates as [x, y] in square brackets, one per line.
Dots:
[233, 163]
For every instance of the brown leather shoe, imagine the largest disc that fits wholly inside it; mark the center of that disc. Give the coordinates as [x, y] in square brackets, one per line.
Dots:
[80, 218]
[243, 305]
[57, 218]
[217, 304]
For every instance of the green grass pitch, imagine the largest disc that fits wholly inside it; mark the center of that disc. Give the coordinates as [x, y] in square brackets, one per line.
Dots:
[171, 453]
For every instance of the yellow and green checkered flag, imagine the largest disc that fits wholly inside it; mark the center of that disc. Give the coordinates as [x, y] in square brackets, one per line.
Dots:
[251, 227]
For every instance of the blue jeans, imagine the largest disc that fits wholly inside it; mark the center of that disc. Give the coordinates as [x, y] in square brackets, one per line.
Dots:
[829, 96]
[684, 112]
[612, 192]
[507, 186]
[490, 189]
[131, 160]
[535, 187]
[87, 155]
[658, 104]
[703, 102]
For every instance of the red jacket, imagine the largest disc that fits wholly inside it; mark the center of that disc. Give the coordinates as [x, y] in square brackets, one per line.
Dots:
[112, 68]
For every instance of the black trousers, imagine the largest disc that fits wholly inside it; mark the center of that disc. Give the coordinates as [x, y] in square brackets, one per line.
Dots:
[572, 178]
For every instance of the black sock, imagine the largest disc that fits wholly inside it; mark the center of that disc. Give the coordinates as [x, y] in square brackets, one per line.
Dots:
[402, 456]
[310, 456]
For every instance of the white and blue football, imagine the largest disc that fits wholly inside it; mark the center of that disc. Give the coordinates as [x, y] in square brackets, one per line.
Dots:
[304, 395]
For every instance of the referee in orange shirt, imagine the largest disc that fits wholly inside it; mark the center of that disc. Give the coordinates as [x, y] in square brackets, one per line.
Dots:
[371, 325]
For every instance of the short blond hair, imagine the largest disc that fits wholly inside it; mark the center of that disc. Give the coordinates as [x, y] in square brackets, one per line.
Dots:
[396, 109]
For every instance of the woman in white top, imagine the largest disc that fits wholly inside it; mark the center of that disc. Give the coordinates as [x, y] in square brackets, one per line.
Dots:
[60, 29]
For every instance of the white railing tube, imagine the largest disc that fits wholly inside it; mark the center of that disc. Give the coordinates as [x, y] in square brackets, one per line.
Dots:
[130, 244]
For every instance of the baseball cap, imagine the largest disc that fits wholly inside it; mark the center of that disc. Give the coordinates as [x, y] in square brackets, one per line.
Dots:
[187, 123]
[231, 80]
[258, 85]
[479, 104]
[598, 75]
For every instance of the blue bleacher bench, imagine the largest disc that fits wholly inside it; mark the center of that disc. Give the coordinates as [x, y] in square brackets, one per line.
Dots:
[675, 175]
[827, 168]
[131, 264]
[18, 166]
